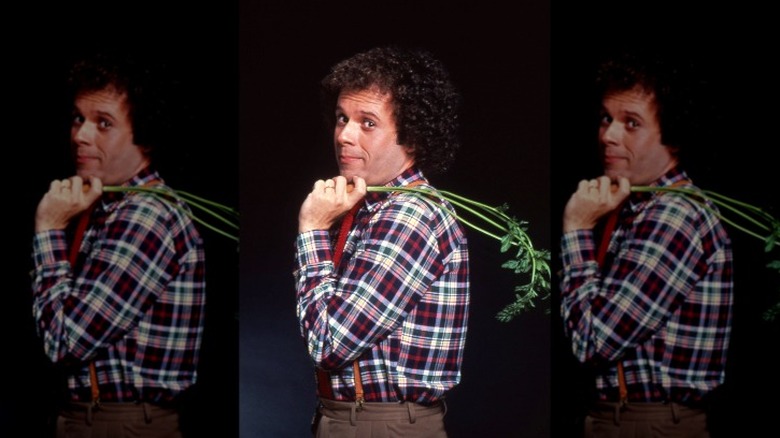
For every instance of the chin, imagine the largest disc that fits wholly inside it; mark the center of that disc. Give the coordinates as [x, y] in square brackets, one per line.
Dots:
[614, 174]
[85, 174]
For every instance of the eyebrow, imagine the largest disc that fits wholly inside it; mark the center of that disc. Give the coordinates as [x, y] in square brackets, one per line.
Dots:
[106, 114]
[633, 114]
[361, 112]
[624, 112]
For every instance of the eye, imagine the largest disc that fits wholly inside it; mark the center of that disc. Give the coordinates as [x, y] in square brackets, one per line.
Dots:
[605, 120]
[368, 123]
[341, 119]
[78, 119]
[632, 123]
[104, 124]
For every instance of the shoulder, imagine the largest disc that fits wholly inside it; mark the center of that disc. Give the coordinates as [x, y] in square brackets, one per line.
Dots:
[686, 215]
[425, 209]
[158, 212]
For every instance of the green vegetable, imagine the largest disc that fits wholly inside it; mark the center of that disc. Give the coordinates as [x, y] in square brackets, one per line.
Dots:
[747, 218]
[496, 223]
[221, 218]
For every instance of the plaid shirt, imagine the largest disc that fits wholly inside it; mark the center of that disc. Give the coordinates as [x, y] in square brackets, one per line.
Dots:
[397, 302]
[133, 302]
[662, 302]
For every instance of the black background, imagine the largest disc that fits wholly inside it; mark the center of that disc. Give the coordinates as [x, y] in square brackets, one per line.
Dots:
[735, 140]
[501, 64]
[200, 51]
[252, 71]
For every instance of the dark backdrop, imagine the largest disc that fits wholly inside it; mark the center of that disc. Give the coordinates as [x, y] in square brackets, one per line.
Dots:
[500, 61]
[731, 155]
[199, 48]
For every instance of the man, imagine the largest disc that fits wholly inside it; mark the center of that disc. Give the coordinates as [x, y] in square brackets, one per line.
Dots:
[386, 323]
[119, 309]
[651, 315]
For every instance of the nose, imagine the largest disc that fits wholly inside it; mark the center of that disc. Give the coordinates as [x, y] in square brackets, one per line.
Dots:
[83, 133]
[610, 133]
[347, 133]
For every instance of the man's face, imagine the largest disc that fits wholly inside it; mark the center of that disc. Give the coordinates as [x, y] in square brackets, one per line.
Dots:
[101, 136]
[630, 138]
[365, 138]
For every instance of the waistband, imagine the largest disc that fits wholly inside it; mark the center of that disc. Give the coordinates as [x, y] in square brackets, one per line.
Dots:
[373, 411]
[106, 411]
[634, 411]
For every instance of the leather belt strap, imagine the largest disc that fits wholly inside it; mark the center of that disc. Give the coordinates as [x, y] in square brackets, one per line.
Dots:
[323, 377]
[81, 227]
[609, 228]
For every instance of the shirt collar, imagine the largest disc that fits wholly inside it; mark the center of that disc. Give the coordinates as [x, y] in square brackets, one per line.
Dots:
[147, 176]
[674, 176]
[408, 176]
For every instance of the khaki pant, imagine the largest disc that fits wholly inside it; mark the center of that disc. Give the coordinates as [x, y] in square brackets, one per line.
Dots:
[645, 420]
[117, 420]
[380, 420]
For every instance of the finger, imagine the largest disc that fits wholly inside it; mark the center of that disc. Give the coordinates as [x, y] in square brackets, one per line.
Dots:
[76, 184]
[340, 186]
[319, 185]
[96, 184]
[624, 186]
[93, 189]
[360, 188]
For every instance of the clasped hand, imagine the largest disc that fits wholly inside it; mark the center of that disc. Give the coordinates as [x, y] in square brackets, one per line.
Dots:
[593, 199]
[65, 200]
[328, 201]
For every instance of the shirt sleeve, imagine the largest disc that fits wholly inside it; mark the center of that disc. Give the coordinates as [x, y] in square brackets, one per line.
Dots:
[395, 260]
[656, 263]
[127, 263]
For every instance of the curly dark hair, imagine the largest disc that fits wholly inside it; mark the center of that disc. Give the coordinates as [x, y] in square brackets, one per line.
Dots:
[142, 82]
[425, 102]
[660, 75]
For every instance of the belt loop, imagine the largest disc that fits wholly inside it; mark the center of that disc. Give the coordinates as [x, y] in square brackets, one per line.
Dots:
[147, 414]
[412, 413]
[617, 413]
[675, 412]
[89, 414]
[353, 415]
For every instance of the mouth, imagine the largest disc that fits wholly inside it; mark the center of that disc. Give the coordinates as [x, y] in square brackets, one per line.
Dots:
[346, 159]
[85, 159]
[612, 159]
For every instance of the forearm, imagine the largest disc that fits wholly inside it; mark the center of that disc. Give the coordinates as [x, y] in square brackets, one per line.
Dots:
[343, 314]
[608, 311]
[121, 271]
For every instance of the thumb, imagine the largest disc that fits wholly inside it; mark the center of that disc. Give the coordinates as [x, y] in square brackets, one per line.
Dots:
[95, 189]
[359, 189]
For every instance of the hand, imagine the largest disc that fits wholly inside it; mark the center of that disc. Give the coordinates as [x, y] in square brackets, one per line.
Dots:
[65, 200]
[328, 201]
[592, 200]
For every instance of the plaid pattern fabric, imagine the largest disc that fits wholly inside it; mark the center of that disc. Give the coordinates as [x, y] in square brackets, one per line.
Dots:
[661, 303]
[133, 302]
[398, 302]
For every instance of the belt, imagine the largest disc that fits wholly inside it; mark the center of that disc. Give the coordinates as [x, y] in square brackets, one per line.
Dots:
[634, 411]
[108, 411]
[373, 411]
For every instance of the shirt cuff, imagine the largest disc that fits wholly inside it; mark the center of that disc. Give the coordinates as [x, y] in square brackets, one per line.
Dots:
[577, 248]
[313, 248]
[50, 248]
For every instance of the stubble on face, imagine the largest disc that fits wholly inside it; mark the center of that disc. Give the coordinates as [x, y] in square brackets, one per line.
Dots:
[102, 138]
[365, 138]
[630, 138]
